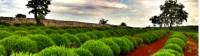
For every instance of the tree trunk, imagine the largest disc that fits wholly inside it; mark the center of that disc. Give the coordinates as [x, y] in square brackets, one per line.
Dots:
[37, 19]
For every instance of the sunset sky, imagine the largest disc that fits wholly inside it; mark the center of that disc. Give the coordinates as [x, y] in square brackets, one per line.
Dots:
[135, 13]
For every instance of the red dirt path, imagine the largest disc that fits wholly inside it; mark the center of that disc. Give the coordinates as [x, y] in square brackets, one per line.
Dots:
[191, 48]
[149, 49]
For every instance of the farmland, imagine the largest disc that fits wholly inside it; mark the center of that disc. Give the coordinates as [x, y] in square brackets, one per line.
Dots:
[37, 40]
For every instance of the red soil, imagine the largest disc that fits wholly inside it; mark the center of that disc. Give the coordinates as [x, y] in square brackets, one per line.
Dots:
[149, 49]
[191, 48]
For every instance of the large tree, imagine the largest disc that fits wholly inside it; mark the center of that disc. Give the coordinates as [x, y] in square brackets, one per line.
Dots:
[39, 9]
[172, 13]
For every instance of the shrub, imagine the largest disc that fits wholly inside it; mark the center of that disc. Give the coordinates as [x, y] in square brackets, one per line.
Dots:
[60, 40]
[83, 52]
[21, 33]
[21, 54]
[147, 37]
[136, 41]
[37, 31]
[179, 35]
[19, 44]
[114, 46]
[163, 54]
[99, 34]
[75, 42]
[175, 47]
[131, 46]
[57, 51]
[124, 47]
[171, 51]
[98, 48]
[42, 41]
[4, 34]
[2, 51]
[91, 35]
[178, 41]
[83, 37]
[50, 31]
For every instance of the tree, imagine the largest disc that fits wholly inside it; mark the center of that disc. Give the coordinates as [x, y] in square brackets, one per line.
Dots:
[123, 24]
[103, 21]
[39, 9]
[172, 14]
[20, 16]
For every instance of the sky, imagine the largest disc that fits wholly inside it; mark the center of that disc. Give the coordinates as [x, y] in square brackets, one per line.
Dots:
[135, 13]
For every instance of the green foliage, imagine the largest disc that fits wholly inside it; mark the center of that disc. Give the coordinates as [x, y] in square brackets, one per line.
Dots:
[176, 53]
[163, 54]
[179, 35]
[83, 52]
[2, 51]
[91, 35]
[19, 44]
[37, 31]
[172, 46]
[99, 34]
[22, 54]
[114, 46]
[57, 51]
[194, 35]
[50, 31]
[98, 48]
[42, 41]
[21, 33]
[124, 47]
[125, 38]
[136, 41]
[178, 41]
[4, 34]
[75, 41]
[60, 40]
[83, 37]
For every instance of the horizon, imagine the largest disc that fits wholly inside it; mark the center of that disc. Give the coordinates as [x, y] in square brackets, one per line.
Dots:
[134, 13]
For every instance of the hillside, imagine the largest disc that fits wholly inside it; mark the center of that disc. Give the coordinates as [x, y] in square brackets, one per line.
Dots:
[50, 22]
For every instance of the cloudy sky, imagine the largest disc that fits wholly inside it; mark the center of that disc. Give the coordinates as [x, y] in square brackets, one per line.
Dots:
[134, 12]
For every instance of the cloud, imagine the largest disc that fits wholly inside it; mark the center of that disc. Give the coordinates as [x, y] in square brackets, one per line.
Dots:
[133, 12]
[87, 7]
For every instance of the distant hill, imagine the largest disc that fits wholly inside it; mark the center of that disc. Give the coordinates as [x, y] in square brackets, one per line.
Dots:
[50, 22]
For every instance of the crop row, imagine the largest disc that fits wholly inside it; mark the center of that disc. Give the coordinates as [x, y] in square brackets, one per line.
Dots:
[112, 46]
[174, 45]
[193, 35]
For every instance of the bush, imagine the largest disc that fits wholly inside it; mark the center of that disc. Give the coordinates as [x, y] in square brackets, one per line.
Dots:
[131, 46]
[178, 41]
[42, 41]
[175, 47]
[91, 35]
[179, 35]
[19, 44]
[37, 31]
[21, 33]
[4, 34]
[60, 40]
[50, 31]
[114, 46]
[2, 51]
[136, 41]
[98, 48]
[83, 52]
[171, 51]
[147, 37]
[163, 54]
[57, 51]
[83, 37]
[99, 34]
[21, 54]
[124, 47]
[75, 42]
